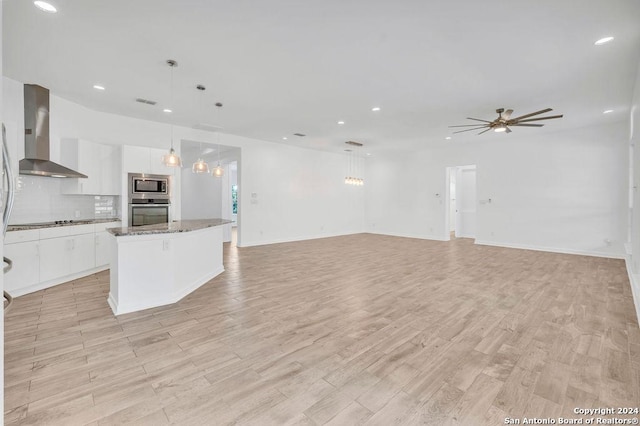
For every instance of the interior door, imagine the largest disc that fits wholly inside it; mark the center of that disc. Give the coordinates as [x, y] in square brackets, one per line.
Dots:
[466, 202]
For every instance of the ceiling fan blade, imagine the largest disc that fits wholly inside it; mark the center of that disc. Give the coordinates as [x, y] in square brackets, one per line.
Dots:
[536, 119]
[507, 114]
[542, 111]
[470, 125]
[527, 125]
[477, 119]
[468, 130]
[484, 131]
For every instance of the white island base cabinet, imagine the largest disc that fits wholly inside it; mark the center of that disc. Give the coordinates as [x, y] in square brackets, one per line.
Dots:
[153, 270]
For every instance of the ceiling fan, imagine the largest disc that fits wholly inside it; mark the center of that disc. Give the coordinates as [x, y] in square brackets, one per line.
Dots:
[504, 121]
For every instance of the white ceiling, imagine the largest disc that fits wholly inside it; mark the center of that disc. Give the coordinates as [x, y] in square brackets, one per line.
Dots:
[287, 66]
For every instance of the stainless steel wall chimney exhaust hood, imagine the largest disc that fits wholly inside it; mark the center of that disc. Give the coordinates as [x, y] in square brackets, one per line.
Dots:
[36, 137]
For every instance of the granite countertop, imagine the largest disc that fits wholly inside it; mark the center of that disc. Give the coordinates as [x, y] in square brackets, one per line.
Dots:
[168, 228]
[27, 226]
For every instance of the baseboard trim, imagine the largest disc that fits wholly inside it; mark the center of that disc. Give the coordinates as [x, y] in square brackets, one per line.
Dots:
[51, 283]
[419, 237]
[291, 240]
[552, 249]
[121, 309]
[634, 281]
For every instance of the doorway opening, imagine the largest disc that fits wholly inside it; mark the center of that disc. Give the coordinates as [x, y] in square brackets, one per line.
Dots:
[461, 210]
[208, 196]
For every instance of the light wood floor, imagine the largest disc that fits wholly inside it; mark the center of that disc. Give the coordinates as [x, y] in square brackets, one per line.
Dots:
[359, 329]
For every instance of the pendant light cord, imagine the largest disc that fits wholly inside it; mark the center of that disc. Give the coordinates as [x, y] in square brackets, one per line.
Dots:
[171, 65]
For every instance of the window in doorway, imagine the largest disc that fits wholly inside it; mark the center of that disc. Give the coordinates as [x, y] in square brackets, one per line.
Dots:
[234, 199]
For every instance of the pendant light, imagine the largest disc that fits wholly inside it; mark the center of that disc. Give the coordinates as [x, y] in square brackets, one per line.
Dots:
[353, 165]
[200, 166]
[171, 159]
[218, 171]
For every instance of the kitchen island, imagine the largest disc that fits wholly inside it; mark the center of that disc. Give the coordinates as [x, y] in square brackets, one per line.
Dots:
[156, 265]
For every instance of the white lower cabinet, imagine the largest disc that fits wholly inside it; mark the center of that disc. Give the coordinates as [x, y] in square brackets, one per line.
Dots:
[50, 256]
[24, 256]
[54, 259]
[64, 256]
[103, 243]
[82, 255]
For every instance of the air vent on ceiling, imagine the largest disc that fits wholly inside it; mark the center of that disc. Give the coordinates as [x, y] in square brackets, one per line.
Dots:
[207, 126]
[299, 134]
[145, 101]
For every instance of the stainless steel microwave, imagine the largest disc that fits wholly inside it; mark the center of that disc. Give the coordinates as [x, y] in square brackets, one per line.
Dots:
[143, 186]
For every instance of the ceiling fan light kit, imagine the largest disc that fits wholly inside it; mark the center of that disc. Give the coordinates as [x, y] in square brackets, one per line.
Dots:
[504, 121]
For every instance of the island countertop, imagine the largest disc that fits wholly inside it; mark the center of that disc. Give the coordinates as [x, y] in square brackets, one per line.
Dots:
[168, 228]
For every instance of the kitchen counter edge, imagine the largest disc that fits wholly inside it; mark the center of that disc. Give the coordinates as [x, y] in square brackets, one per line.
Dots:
[168, 228]
[29, 226]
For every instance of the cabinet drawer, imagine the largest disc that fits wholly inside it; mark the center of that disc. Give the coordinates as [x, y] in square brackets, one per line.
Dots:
[89, 228]
[64, 231]
[106, 225]
[22, 236]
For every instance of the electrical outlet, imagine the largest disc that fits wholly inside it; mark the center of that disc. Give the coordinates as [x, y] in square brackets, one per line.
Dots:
[165, 245]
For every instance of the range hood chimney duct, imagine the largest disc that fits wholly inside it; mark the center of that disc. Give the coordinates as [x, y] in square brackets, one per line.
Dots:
[36, 137]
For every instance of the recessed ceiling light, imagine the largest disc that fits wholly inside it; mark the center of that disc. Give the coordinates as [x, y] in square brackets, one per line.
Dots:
[98, 87]
[448, 138]
[368, 154]
[284, 138]
[167, 110]
[340, 122]
[47, 7]
[603, 40]
[375, 109]
[607, 111]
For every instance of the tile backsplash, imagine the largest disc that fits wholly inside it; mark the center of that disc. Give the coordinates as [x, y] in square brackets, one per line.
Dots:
[40, 199]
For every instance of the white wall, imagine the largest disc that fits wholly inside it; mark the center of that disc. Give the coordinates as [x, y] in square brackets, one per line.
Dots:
[299, 193]
[633, 260]
[201, 195]
[562, 191]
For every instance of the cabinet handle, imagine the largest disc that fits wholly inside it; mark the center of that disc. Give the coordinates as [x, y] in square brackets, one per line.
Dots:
[9, 263]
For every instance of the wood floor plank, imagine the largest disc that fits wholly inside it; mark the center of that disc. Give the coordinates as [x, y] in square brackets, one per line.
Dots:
[402, 331]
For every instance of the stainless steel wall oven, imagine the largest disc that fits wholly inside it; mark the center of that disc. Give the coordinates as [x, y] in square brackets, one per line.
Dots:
[149, 199]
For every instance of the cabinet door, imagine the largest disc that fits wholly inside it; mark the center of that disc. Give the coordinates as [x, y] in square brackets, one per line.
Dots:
[155, 161]
[82, 256]
[54, 258]
[135, 159]
[84, 157]
[25, 270]
[103, 251]
[89, 164]
[111, 165]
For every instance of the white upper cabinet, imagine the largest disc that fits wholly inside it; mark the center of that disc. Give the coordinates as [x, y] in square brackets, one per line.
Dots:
[101, 163]
[135, 159]
[139, 159]
[111, 168]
